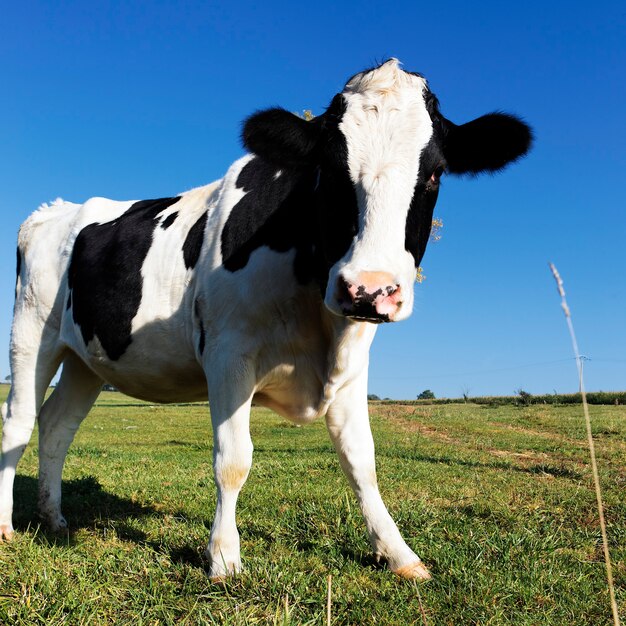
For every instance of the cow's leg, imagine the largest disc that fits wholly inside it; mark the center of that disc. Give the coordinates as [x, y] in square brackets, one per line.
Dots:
[35, 358]
[348, 424]
[230, 391]
[60, 417]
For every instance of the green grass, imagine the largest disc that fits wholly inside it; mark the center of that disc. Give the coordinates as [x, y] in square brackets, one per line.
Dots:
[498, 501]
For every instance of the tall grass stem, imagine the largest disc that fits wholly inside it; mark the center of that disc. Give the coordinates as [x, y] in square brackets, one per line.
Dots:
[592, 449]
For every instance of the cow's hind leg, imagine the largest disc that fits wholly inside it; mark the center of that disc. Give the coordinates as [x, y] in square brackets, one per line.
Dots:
[230, 391]
[35, 358]
[348, 424]
[60, 417]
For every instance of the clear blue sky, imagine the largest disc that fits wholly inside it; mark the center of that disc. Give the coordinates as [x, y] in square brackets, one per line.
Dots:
[137, 100]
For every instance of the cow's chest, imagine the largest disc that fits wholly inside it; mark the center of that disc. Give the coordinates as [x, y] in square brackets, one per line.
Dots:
[292, 370]
[301, 353]
[306, 356]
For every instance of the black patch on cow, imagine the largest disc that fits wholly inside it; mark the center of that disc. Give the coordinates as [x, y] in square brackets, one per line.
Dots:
[486, 144]
[169, 220]
[18, 265]
[310, 206]
[337, 213]
[202, 339]
[105, 274]
[193, 242]
[281, 138]
[276, 211]
[68, 306]
[18, 269]
[336, 201]
[420, 217]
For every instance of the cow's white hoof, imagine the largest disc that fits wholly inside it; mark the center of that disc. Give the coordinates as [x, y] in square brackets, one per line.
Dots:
[414, 571]
[221, 573]
[6, 532]
[222, 567]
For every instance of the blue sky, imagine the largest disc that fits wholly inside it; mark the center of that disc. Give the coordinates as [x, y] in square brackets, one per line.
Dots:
[138, 100]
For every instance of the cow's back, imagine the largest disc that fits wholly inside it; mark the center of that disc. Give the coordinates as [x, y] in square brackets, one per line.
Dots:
[115, 279]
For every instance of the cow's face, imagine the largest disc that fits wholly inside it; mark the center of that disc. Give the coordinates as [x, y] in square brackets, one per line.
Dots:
[379, 151]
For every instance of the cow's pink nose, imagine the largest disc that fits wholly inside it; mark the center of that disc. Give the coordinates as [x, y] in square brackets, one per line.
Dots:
[374, 296]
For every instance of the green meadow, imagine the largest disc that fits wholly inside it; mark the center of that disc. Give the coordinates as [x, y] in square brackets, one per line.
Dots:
[497, 500]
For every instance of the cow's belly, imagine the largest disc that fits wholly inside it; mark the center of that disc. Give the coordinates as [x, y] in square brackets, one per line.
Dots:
[156, 383]
[292, 386]
[159, 364]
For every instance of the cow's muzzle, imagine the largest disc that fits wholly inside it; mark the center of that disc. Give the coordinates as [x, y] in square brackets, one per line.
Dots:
[373, 297]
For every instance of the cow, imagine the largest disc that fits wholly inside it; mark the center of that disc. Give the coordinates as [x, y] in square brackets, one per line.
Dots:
[266, 286]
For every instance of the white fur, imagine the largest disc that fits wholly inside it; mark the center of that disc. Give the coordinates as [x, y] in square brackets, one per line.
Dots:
[386, 126]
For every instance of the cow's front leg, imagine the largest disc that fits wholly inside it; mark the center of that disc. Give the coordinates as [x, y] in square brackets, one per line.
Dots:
[348, 424]
[230, 391]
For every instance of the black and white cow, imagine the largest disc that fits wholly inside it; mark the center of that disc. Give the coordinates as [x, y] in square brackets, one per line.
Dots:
[264, 286]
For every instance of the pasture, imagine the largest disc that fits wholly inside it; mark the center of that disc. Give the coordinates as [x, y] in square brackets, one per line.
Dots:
[497, 501]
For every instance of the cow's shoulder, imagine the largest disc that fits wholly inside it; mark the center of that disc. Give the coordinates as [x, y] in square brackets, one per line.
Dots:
[273, 209]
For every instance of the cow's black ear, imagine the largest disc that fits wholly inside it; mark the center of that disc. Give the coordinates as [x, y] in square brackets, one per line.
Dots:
[280, 137]
[486, 144]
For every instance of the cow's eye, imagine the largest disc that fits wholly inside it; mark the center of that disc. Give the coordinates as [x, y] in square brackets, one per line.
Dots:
[436, 175]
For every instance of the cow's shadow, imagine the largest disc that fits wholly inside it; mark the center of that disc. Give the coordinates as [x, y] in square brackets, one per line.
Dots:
[88, 505]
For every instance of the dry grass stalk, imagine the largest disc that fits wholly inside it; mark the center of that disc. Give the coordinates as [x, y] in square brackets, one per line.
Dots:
[328, 594]
[419, 599]
[592, 450]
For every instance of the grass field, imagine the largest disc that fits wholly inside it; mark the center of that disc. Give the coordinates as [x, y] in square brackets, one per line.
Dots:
[497, 501]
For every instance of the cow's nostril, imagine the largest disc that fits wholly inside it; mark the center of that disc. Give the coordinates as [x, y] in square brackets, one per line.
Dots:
[395, 291]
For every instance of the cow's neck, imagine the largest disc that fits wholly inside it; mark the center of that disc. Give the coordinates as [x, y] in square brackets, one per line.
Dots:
[348, 354]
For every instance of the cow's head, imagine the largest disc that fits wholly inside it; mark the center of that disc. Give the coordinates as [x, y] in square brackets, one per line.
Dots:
[379, 151]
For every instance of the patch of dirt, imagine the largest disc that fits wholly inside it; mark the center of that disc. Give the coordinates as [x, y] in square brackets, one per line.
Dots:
[539, 433]
[406, 419]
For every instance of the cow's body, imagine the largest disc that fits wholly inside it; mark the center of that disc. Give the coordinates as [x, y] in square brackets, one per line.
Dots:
[262, 287]
[184, 303]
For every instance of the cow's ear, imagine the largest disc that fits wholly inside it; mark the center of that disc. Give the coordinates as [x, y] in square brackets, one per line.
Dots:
[486, 144]
[280, 137]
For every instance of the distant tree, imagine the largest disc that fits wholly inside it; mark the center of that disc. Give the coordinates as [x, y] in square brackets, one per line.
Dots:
[372, 396]
[524, 396]
[8, 378]
[108, 387]
[427, 394]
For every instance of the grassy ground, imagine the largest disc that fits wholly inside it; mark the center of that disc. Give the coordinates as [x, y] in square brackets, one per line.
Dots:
[497, 501]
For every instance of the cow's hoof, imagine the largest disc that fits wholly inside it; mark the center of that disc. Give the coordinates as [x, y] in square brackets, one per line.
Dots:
[56, 524]
[414, 571]
[6, 532]
[222, 568]
[220, 579]
[219, 575]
